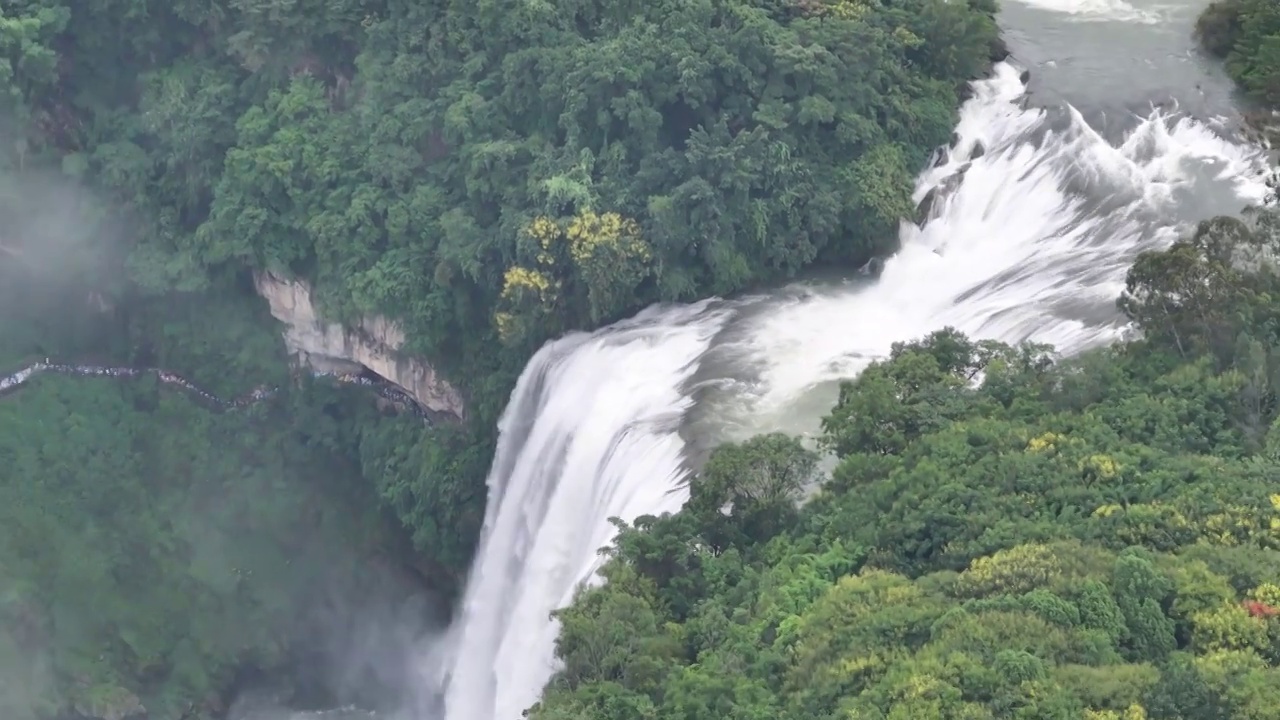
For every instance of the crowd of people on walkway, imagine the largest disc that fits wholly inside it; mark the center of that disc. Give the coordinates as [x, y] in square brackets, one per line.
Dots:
[383, 388]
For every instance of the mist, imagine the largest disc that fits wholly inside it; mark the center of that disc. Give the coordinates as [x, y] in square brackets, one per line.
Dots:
[357, 657]
[58, 267]
[60, 263]
[119, 565]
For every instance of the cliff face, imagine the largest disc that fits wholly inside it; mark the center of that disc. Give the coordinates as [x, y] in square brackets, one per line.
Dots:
[373, 344]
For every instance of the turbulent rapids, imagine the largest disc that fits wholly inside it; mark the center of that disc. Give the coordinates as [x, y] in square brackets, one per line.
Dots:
[1034, 217]
[13, 381]
[1028, 222]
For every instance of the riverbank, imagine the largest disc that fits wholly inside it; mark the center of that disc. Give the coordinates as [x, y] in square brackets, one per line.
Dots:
[1237, 32]
[1033, 242]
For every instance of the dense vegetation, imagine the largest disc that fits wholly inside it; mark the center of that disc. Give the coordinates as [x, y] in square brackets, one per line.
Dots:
[156, 548]
[476, 168]
[153, 549]
[1246, 33]
[489, 174]
[1006, 535]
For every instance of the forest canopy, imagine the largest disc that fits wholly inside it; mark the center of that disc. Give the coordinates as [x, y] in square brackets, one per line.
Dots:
[1007, 534]
[487, 174]
[153, 550]
[1246, 33]
[513, 166]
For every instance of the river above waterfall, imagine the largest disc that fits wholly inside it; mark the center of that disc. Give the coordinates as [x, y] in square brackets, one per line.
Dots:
[1114, 58]
[1124, 136]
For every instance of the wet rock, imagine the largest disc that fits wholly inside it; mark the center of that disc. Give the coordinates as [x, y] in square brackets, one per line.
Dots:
[109, 702]
[927, 209]
[978, 151]
[1262, 128]
[998, 50]
[1025, 77]
[924, 211]
[873, 268]
[214, 704]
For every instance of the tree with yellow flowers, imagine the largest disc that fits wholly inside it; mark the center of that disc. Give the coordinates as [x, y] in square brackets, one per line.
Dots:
[589, 265]
[611, 259]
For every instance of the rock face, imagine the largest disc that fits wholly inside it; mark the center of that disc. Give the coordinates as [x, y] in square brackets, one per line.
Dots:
[1263, 128]
[373, 344]
[109, 703]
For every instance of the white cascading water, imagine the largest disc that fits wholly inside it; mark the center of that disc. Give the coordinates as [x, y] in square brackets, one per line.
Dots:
[589, 415]
[1031, 241]
[1098, 10]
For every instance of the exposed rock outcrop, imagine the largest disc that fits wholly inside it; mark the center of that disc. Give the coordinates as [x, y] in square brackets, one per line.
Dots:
[374, 344]
[931, 204]
[873, 268]
[1263, 128]
[107, 702]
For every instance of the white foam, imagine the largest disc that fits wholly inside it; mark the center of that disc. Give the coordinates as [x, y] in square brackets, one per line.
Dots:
[1098, 10]
[590, 433]
[1015, 252]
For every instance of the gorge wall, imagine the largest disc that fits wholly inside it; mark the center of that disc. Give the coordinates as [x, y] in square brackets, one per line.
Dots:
[374, 344]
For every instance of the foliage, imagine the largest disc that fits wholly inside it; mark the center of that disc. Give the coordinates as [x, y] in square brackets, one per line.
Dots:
[1004, 535]
[1246, 33]
[153, 549]
[397, 154]
[424, 478]
[489, 175]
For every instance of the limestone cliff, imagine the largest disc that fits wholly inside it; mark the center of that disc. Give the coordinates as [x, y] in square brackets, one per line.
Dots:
[374, 344]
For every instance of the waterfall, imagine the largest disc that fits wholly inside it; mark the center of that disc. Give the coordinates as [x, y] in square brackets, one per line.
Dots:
[591, 433]
[1036, 219]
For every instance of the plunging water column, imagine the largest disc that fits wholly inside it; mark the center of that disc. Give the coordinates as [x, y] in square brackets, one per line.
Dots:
[1030, 239]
